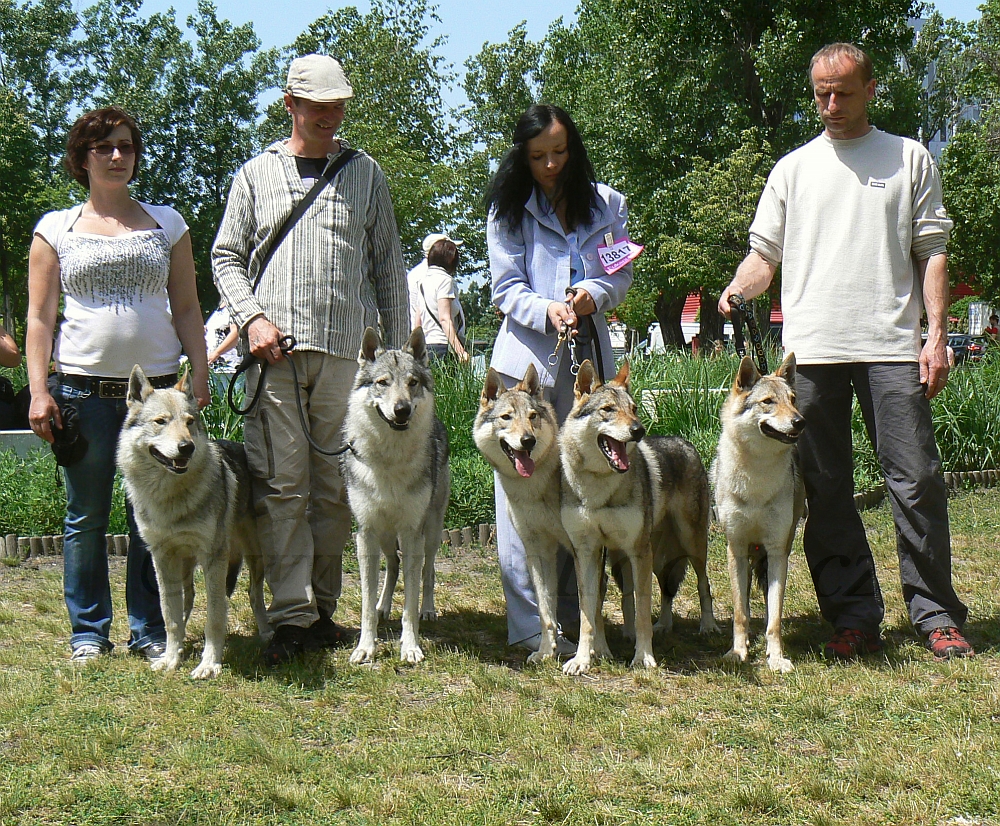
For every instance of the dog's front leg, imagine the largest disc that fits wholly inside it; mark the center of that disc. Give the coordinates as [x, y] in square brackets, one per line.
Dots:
[369, 551]
[588, 574]
[642, 580]
[170, 578]
[215, 621]
[431, 542]
[544, 576]
[777, 574]
[384, 607]
[413, 565]
[739, 579]
[621, 569]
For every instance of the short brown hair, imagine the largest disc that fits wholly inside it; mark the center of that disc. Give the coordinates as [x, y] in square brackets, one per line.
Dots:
[95, 126]
[443, 254]
[848, 50]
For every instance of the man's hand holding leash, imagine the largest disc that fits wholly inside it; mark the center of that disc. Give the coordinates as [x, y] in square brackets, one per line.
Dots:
[265, 340]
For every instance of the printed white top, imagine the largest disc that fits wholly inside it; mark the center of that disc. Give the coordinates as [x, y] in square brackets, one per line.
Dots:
[116, 313]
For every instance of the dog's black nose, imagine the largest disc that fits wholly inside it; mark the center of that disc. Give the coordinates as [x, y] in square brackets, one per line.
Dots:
[401, 410]
[527, 442]
[797, 424]
[186, 449]
[637, 430]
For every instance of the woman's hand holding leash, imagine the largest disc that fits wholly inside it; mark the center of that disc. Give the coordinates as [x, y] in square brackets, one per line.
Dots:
[44, 415]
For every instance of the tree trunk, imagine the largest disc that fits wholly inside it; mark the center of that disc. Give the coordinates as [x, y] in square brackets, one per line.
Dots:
[668, 312]
[4, 279]
[710, 322]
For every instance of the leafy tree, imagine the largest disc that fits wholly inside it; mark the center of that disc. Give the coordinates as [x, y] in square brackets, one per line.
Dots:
[970, 173]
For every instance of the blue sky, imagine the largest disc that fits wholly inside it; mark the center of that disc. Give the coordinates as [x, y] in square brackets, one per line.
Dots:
[467, 24]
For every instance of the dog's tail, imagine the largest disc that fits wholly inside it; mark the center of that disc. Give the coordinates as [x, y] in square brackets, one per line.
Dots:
[233, 575]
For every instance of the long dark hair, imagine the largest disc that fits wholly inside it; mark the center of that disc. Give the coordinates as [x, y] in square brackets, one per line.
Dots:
[511, 186]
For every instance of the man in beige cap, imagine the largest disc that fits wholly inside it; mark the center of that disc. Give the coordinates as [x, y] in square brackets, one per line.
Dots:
[418, 272]
[337, 270]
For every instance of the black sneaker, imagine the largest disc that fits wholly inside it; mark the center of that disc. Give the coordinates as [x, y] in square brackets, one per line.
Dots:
[328, 634]
[288, 641]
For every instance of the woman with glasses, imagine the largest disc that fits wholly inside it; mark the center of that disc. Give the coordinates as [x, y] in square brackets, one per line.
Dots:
[548, 222]
[126, 273]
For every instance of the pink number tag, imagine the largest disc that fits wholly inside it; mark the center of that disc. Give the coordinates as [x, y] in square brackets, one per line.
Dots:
[616, 255]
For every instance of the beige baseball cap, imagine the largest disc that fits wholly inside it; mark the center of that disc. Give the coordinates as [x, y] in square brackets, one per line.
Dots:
[434, 237]
[318, 77]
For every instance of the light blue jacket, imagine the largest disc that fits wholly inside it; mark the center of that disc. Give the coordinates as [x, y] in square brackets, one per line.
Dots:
[531, 269]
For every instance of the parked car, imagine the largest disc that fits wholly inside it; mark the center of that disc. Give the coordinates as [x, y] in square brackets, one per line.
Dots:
[966, 347]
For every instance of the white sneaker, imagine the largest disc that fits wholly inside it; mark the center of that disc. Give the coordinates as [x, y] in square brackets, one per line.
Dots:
[564, 647]
[86, 653]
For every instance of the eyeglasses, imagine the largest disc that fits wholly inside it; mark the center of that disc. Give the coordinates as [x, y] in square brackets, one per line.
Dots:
[106, 149]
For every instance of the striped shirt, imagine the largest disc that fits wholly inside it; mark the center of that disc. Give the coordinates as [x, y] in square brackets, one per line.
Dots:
[339, 270]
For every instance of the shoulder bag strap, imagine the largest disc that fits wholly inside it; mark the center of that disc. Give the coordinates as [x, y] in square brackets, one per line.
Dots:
[300, 209]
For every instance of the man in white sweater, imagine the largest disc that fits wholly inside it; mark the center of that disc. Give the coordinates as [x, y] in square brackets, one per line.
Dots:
[856, 222]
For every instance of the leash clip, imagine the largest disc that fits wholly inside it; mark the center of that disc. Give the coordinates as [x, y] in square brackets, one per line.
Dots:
[742, 312]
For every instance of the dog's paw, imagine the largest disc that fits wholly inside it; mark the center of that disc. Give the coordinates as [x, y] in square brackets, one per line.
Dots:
[428, 616]
[536, 657]
[577, 666]
[734, 656]
[601, 651]
[206, 671]
[708, 625]
[412, 654]
[383, 613]
[363, 654]
[782, 665]
[643, 660]
[664, 625]
[165, 663]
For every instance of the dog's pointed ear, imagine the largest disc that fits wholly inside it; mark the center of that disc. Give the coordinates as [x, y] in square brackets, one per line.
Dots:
[139, 387]
[417, 345]
[370, 345]
[747, 376]
[787, 370]
[492, 388]
[530, 384]
[623, 375]
[586, 380]
[186, 386]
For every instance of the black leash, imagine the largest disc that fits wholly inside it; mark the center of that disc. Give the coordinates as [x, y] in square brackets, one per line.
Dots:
[286, 344]
[742, 312]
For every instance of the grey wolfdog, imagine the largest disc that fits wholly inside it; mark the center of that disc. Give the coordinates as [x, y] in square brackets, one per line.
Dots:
[398, 483]
[191, 498]
[517, 432]
[643, 497]
[759, 495]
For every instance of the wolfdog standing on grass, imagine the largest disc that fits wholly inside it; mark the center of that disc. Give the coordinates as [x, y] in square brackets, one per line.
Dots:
[517, 432]
[191, 498]
[398, 483]
[759, 495]
[643, 497]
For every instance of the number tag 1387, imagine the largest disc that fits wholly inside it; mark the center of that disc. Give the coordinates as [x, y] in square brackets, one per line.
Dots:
[616, 254]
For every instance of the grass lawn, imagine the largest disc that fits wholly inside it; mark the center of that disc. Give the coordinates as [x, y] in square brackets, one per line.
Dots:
[473, 736]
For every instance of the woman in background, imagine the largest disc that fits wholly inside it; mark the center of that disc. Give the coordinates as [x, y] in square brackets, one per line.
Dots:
[547, 218]
[126, 272]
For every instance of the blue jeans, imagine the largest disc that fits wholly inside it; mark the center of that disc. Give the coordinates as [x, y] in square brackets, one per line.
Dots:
[89, 486]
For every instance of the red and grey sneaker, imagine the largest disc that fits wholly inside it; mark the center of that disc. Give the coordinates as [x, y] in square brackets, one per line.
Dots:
[850, 643]
[947, 643]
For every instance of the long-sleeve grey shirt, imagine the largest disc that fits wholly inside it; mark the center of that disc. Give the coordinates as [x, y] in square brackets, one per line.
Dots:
[339, 270]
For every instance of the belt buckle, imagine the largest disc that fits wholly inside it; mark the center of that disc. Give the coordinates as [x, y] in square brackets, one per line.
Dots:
[112, 389]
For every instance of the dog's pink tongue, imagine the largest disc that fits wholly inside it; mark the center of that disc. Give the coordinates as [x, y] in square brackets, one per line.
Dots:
[619, 456]
[523, 463]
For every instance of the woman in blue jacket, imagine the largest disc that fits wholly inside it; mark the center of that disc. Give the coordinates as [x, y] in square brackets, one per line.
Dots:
[547, 218]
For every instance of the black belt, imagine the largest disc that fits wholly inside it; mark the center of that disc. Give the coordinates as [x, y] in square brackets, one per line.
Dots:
[108, 388]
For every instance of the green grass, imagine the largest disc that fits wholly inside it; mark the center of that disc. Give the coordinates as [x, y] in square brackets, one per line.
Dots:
[473, 736]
